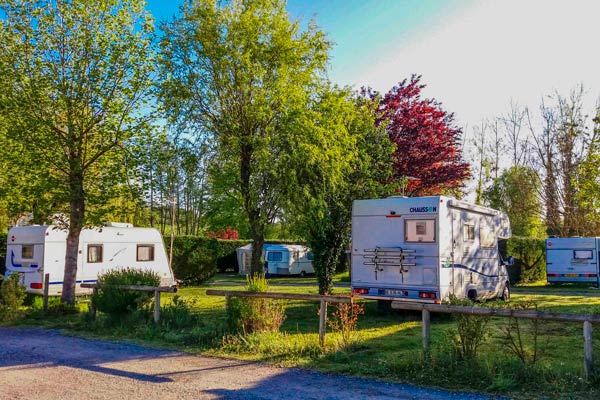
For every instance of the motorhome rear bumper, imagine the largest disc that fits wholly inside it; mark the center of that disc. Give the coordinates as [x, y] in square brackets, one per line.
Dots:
[410, 294]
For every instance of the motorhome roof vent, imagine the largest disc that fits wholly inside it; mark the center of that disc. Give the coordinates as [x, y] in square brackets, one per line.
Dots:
[119, 224]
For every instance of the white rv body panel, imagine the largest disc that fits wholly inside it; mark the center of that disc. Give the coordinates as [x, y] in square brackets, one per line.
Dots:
[33, 251]
[573, 260]
[280, 259]
[418, 249]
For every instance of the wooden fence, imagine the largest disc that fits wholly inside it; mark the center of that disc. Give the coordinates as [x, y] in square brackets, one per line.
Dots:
[156, 289]
[289, 296]
[587, 319]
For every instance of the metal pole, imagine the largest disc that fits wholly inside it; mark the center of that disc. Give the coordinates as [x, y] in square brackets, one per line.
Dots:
[322, 320]
[46, 289]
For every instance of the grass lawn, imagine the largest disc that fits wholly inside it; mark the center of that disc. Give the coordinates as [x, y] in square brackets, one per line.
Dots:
[384, 346]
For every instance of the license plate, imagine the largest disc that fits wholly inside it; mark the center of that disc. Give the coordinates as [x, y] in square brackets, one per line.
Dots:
[396, 292]
[572, 275]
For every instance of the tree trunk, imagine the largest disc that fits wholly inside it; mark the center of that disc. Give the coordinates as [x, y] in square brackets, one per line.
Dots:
[258, 241]
[76, 221]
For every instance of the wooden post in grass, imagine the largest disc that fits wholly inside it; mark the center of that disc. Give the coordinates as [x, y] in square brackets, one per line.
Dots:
[426, 332]
[92, 306]
[46, 289]
[156, 306]
[588, 349]
[322, 320]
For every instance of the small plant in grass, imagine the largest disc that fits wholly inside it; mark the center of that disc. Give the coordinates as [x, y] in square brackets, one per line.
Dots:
[116, 302]
[12, 295]
[247, 314]
[178, 314]
[470, 331]
[517, 332]
[344, 319]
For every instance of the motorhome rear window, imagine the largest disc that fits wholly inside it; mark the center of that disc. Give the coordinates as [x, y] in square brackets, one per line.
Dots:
[419, 230]
[94, 253]
[487, 238]
[145, 252]
[275, 256]
[27, 252]
[583, 254]
[469, 233]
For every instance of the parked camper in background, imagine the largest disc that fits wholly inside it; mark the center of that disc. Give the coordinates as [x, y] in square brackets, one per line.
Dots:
[425, 249]
[573, 260]
[280, 259]
[33, 251]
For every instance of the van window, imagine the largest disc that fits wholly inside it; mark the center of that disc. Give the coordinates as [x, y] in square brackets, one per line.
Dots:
[94, 253]
[275, 256]
[487, 238]
[27, 252]
[583, 254]
[309, 256]
[469, 233]
[419, 230]
[145, 252]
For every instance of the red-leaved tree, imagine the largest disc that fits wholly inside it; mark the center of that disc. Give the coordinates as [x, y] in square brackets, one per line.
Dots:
[428, 142]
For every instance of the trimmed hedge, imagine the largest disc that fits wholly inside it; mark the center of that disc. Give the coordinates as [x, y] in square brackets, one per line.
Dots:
[530, 258]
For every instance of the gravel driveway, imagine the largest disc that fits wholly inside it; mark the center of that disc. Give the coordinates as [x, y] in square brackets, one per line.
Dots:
[44, 364]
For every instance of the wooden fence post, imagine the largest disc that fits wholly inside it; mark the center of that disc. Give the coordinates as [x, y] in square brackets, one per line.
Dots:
[156, 306]
[588, 350]
[426, 332]
[92, 306]
[322, 320]
[46, 289]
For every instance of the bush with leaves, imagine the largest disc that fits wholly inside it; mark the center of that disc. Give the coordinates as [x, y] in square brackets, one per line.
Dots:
[12, 295]
[521, 337]
[247, 315]
[119, 302]
[344, 319]
[179, 314]
[470, 331]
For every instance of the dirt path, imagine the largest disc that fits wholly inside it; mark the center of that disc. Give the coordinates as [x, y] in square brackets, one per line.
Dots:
[42, 364]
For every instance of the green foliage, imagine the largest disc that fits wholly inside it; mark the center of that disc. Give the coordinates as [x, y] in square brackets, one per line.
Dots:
[515, 193]
[521, 337]
[247, 315]
[470, 332]
[530, 259]
[179, 314]
[195, 258]
[12, 295]
[119, 302]
[344, 320]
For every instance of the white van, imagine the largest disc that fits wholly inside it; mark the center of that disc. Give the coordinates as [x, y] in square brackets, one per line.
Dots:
[280, 259]
[33, 251]
[424, 249]
[572, 260]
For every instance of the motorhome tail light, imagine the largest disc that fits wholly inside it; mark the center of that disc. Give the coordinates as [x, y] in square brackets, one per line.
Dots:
[361, 291]
[553, 275]
[36, 285]
[590, 275]
[427, 295]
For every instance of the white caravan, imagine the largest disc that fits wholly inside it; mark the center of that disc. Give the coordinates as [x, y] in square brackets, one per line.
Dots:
[573, 260]
[424, 249]
[280, 259]
[33, 251]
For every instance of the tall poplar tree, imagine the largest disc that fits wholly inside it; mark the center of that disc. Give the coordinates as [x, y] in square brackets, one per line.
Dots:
[75, 77]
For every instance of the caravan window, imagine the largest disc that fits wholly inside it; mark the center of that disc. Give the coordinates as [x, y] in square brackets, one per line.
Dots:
[94, 253]
[419, 230]
[487, 238]
[275, 256]
[27, 252]
[145, 252]
[469, 233]
[583, 254]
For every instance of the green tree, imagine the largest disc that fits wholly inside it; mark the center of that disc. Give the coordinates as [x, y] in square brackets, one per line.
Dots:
[75, 77]
[324, 210]
[244, 73]
[516, 192]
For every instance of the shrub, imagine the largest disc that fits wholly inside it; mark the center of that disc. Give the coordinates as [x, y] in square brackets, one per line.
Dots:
[12, 295]
[119, 302]
[530, 258]
[178, 314]
[247, 315]
[345, 319]
[470, 332]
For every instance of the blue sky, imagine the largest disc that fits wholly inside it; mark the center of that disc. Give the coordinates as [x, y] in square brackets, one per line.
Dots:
[476, 56]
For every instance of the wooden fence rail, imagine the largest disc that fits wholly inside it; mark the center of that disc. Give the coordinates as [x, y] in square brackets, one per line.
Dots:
[323, 300]
[156, 289]
[587, 319]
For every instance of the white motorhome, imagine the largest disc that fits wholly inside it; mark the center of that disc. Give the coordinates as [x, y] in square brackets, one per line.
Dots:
[33, 251]
[573, 260]
[424, 249]
[280, 259]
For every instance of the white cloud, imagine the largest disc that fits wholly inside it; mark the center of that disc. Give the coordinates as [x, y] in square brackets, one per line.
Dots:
[498, 50]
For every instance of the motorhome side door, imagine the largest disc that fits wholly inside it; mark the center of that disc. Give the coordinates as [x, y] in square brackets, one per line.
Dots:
[458, 250]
